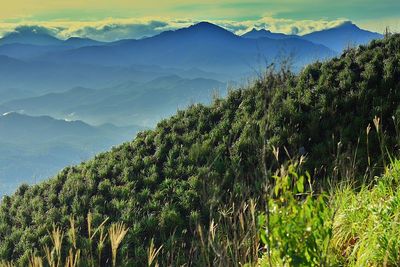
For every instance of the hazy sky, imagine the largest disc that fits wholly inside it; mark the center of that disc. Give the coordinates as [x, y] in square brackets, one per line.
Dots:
[114, 19]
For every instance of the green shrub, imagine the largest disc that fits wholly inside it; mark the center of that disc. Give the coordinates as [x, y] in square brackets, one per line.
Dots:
[296, 229]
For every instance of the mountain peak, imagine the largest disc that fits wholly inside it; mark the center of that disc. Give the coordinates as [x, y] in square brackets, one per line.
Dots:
[254, 30]
[263, 33]
[204, 30]
[348, 25]
[207, 26]
[344, 35]
[34, 35]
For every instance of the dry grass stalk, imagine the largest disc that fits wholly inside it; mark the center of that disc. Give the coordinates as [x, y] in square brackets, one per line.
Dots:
[56, 236]
[116, 233]
[152, 254]
[92, 234]
[6, 264]
[73, 258]
[72, 232]
[49, 255]
[89, 223]
[101, 243]
[35, 261]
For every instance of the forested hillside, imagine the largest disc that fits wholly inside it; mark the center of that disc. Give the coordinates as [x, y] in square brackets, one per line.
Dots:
[194, 184]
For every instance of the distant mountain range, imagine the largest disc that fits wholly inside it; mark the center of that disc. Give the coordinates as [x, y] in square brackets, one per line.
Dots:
[33, 37]
[34, 61]
[337, 38]
[39, 146]
[29, 36]
[39, 77]
[204, 45]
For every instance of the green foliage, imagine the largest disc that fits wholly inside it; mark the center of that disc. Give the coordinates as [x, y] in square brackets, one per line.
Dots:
[296, 230]
[334, 102]
[346, 228]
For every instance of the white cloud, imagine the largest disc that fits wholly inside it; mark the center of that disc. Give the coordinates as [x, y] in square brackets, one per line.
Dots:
[287, 26]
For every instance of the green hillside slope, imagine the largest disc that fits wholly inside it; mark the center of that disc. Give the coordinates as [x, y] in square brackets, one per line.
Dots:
[197, 168]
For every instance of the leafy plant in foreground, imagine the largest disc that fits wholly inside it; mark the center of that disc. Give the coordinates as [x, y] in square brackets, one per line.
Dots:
[297, 227]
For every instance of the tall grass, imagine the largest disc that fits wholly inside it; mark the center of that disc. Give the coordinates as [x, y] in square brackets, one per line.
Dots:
[353, 225]
[367, 225]
[231, 240]
[116, 233]
[347, 227]
[53, 255]
[152, 254]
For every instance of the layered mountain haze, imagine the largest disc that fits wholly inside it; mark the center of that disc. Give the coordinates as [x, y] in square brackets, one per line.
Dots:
[46, 77]
[23, 49]
[129, 103]
[33, 148]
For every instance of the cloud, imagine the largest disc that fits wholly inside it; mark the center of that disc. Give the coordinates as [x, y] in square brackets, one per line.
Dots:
[288, 26]
[111, 30]
[24, 29]
[294, 30]
[115, 29]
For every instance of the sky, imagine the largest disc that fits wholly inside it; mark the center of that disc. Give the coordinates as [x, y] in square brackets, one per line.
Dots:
[110, 20]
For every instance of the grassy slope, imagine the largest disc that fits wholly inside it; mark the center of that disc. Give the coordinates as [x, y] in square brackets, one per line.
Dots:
[348, 227]
[169, 183]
